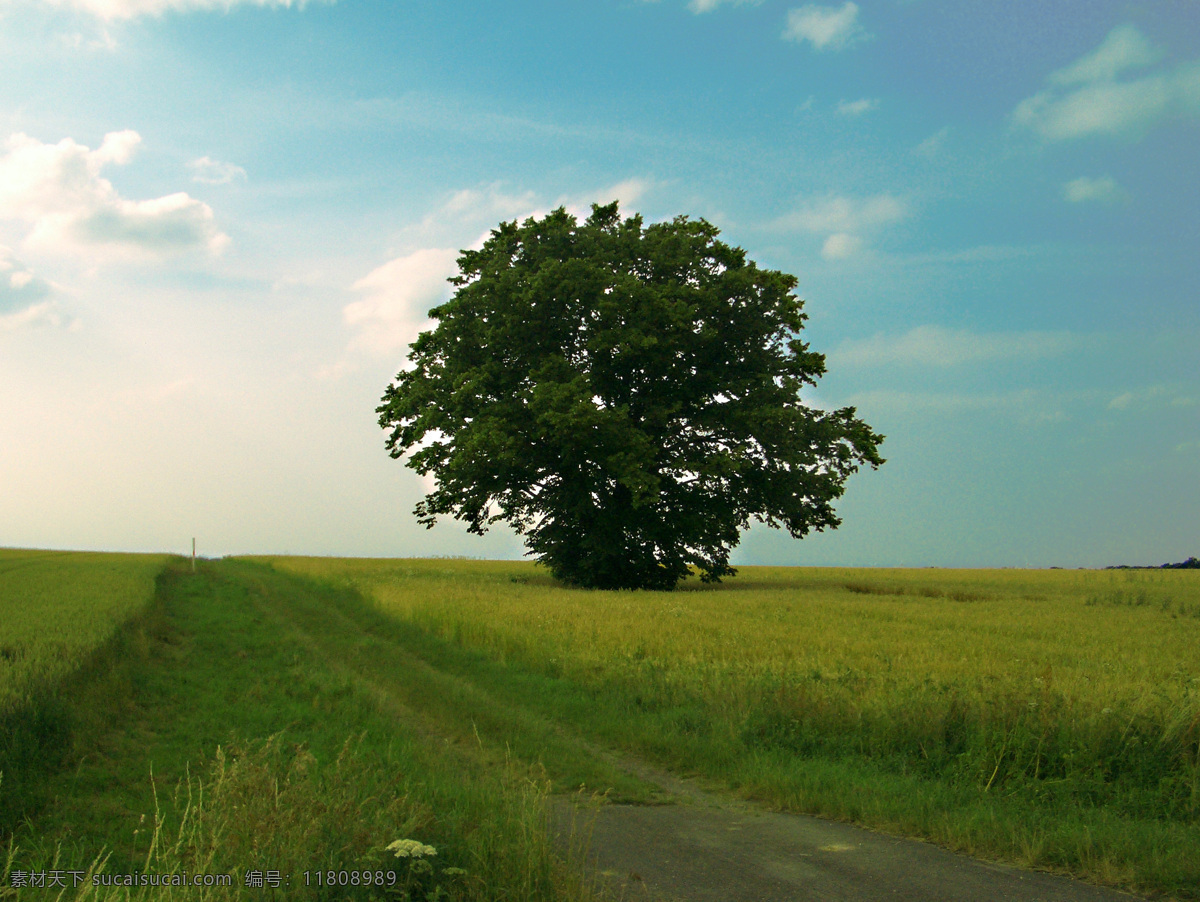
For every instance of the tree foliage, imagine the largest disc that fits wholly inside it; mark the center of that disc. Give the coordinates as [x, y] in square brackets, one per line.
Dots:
[626, 397]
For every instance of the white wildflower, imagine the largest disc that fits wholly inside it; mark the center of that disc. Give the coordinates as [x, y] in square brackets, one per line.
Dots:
[410, 848]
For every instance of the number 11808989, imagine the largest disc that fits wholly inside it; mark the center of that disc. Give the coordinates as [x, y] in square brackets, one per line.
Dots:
[350, 878]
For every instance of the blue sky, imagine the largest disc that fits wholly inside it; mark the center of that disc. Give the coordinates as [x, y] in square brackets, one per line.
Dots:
[221, 223]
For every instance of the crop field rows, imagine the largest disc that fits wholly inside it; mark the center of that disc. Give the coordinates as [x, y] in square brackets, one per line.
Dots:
[1050, 718]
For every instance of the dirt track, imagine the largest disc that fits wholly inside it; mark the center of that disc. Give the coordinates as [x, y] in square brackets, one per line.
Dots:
[709, 846]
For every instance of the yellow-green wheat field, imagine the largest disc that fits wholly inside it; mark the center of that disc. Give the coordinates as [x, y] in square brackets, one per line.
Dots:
[1103, 639]
[57, 607]
[1082, 685]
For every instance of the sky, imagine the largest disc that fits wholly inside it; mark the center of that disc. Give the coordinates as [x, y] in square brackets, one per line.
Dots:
[223, 221]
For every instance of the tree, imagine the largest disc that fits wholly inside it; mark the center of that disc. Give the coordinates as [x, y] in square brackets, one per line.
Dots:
[626, 397]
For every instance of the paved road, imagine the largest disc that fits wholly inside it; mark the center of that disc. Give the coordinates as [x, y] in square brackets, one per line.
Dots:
[709, 847]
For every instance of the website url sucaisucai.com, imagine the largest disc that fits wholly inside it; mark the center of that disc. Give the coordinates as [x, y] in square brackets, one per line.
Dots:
[71, 879]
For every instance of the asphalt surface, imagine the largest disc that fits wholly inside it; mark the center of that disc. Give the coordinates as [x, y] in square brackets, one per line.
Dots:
[710, 846]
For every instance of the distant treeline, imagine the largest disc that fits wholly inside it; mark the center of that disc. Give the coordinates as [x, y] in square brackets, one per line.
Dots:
[1190, 564]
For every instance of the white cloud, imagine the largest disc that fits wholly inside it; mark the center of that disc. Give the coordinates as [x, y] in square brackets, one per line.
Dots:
[824, 26]
[834, 213]
[43, 314]
[627, 193]
[58, 191]
[101, 40]
[1086, 97]
[18, 285]
[398, 297]
[25, 300]
[490, 202]
[129, 9]
[1085, 190]
[840, 245]
[932, 145]
[1117, 109]
[935, 346]
[213, 172]
[856, 107]
[467, 217]
[842, 218]
[1027, 405]
[983, 253]
[493, 203]
[707, 6]
[1124, 48]
[1150, 397]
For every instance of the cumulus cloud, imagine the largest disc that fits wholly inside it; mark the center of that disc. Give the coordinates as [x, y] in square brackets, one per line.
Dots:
[1088, 190]
[130, 9]
[1091, 97]
[213, 172]
[843, 219]
[935, 346]
[397, 298]
[825, 27]
[58, 191]
[856, 107]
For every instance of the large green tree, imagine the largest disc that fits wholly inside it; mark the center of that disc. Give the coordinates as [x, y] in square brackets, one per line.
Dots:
[627, 397]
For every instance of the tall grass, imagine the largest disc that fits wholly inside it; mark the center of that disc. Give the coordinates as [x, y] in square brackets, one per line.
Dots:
[1052, 695]
[61, 613]
[58, 607]
[231, 707]
[268, 818]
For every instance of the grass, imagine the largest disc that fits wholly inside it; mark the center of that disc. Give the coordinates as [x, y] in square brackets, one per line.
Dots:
[242, 751]
[60, 613]
[1047, 718]
[236, 720]
[59, 607]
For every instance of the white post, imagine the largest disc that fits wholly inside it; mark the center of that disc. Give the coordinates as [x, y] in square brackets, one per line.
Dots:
[193, 554]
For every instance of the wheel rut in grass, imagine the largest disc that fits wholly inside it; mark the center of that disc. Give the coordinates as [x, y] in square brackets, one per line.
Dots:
[698, 843]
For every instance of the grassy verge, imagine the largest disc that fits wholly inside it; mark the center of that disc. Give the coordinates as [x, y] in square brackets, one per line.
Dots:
[1044, 719]
[240, 752]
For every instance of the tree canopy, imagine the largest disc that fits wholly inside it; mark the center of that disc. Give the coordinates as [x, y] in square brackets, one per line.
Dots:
[627, 397]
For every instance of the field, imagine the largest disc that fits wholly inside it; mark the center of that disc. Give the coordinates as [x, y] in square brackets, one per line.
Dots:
[205, 738]
[1048, 718]
[57, 608]
[57, 611]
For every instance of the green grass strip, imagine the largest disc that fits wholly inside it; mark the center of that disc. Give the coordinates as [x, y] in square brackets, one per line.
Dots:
[240, 750]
